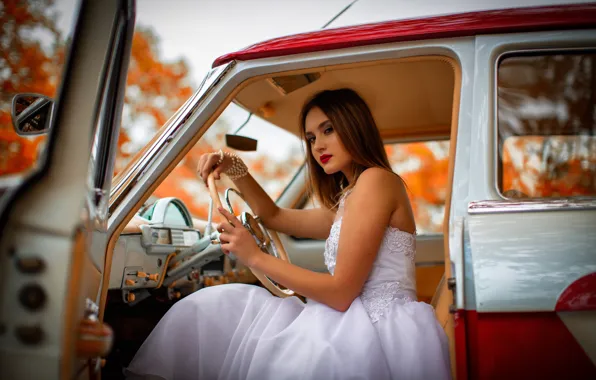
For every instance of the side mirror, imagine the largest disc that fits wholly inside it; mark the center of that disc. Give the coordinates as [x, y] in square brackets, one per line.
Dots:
[31, 114]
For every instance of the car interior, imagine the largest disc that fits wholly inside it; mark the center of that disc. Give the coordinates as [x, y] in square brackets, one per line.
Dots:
[154, 264]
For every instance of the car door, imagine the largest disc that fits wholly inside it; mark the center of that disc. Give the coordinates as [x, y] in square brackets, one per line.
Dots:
[529, 231]
[53, 238]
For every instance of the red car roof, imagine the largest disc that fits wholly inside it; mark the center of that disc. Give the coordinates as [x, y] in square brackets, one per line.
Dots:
[457, 25]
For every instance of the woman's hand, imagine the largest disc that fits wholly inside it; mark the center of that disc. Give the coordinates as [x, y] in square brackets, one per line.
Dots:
[208, 163]
[236, 239]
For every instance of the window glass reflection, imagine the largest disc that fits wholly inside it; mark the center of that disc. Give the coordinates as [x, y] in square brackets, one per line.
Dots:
[546, 113]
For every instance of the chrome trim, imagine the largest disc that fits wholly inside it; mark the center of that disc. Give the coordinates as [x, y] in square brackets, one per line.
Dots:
[109, 118]
[494, 117]
[227, 198]
[429, 264]
[172, 126]
[531, 205]
[245, 218]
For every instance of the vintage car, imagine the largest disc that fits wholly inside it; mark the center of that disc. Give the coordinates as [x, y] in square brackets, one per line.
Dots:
[90, 263]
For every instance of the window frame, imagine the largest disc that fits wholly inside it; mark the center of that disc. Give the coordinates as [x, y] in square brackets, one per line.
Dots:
[497, 161]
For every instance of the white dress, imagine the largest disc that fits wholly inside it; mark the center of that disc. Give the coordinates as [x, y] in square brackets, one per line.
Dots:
[239, 331]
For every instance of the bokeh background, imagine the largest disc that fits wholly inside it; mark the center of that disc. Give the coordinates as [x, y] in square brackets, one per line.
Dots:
[176, 41]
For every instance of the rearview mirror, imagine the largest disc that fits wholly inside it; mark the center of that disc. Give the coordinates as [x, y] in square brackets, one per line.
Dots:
[241, 143]
[238, 142]
[31, 114]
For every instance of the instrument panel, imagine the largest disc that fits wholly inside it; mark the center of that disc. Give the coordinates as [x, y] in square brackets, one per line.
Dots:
[153, 245]
[159, 240]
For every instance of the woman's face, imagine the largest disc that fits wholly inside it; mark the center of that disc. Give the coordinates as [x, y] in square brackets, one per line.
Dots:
[326, 147]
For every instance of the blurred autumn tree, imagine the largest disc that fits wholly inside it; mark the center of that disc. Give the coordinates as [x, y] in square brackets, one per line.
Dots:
[547, 123]
[33, 53]
[424, 168]
[32, 58]
[155, 90]
[272, 173]
[26, 65]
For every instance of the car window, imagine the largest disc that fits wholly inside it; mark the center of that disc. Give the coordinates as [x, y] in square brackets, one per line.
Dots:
[546, 122]
[423, 167]
[277, 159]
[33, 46]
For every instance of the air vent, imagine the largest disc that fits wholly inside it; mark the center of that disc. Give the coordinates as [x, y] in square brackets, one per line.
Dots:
[290, 83]
[177, 237]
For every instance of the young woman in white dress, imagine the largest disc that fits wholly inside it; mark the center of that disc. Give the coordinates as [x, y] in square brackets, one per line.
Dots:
[361, 320]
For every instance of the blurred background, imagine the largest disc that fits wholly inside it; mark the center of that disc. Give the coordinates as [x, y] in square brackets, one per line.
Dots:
[175, 43]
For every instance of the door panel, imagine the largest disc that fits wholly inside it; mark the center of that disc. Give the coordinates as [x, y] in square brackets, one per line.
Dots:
[54, 224]
[529, 226]
[524, 260]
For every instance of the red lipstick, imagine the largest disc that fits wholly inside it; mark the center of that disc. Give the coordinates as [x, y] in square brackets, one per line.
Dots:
[325, 157]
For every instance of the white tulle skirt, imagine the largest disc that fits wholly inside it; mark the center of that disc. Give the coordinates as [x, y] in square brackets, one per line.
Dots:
[241, 331]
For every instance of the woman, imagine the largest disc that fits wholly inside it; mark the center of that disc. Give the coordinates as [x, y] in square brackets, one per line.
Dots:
[361, 320]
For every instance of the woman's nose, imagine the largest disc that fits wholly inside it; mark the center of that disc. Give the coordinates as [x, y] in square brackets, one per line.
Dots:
[319, 146]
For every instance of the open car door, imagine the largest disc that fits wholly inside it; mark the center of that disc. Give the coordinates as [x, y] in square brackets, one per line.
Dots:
[53, 238]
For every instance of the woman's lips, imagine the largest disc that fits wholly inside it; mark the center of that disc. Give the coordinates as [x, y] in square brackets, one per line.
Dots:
[324, 158]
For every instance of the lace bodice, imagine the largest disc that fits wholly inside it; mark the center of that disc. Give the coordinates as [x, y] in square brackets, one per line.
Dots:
[393, 275]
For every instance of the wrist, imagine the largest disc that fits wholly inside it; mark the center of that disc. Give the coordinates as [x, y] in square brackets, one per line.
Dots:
[256, 260]
[236, 168]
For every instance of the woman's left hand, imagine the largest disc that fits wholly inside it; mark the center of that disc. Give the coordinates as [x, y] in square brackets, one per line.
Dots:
[235, 238]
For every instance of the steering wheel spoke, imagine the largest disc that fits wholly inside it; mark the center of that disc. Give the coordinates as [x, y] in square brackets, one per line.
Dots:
[267, 240]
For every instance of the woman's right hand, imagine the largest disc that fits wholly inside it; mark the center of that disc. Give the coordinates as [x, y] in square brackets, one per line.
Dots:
[208, 164]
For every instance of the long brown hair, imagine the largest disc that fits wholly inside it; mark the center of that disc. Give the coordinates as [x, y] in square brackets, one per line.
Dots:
[353, 122]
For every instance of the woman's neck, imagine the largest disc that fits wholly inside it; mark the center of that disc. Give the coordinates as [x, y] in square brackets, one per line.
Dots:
[349, 174]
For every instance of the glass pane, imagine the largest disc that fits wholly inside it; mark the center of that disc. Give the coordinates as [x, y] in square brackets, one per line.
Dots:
[546, 123]
[278, 158]
[33, 46]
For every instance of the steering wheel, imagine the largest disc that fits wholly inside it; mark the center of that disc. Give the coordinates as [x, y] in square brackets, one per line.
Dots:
[267, 240]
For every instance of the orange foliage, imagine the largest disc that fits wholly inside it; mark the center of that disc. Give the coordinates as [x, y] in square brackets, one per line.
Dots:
[426, 180]
[155, 90]
[539, 172]
[25, 67]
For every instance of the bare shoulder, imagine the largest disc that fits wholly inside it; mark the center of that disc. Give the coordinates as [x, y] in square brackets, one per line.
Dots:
[376, 187]
[380, 183]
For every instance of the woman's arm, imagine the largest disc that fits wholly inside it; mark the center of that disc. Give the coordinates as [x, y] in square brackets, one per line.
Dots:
[367, 212]
[313, 223]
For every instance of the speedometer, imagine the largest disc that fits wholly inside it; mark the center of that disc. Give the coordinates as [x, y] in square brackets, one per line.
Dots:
[161, 236]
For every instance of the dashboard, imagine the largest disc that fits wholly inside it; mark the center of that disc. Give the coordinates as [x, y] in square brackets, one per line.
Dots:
[161, 248]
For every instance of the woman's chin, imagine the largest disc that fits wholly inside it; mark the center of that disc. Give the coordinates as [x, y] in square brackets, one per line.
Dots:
[329, 169]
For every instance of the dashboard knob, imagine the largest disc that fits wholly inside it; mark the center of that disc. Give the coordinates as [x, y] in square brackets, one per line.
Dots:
[141, 274]
[32, 297]
[154, 277]
[95, 339]
[30, 265]
[29, 334]
[130, 297]
[129, 282]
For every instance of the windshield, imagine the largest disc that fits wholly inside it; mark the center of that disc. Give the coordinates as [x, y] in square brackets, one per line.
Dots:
[278, 157]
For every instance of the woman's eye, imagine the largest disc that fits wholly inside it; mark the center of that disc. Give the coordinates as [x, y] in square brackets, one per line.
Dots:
[328, 130]
[310, 140]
